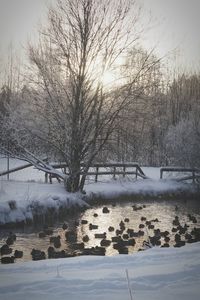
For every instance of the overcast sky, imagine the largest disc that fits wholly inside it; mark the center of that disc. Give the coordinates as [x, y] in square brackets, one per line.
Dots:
[176, 23]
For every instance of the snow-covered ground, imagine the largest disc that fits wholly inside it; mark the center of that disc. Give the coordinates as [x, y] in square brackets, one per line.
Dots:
[155, 274]
[26, 190]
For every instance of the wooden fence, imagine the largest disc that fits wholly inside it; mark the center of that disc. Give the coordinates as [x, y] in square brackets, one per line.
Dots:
[195, 173]
[114, 169]
[99, 169]
[15, 169]
[96, 170]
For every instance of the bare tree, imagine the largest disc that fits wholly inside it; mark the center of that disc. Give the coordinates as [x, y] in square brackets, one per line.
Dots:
[182, 137]
[76, 112]
[10, 87]
[139, 124]
[183, 96]
[183, 143]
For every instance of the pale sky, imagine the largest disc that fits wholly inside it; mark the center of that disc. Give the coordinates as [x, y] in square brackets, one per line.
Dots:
[19, 20]
[176, 23]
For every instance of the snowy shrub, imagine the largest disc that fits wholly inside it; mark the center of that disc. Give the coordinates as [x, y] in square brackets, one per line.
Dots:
[183, 143]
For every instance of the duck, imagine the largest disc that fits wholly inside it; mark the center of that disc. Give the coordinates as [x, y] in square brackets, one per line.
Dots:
[4, 250]
[83, 222]
[111, 228]
[92, 226]
[18, 254]
[126, 220]
[179, 244]
[105, 243]
[165, 245]
[140, 233]
[11, 239]
[71, 236]
[141, 226]
[56, 254]
[38, 254]
[151, 226]
[56, 241]
[125, 236]
[100, 235]
[105, 210]
[167, 239]
[85, 238]
[8, 260]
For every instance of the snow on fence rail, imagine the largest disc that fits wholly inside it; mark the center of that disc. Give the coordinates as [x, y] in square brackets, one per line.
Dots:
[108, 169]
[195, 172]
[15, 169]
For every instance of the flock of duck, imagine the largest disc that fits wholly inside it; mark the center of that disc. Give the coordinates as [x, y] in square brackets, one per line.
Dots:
[121, 238]
[5, 250]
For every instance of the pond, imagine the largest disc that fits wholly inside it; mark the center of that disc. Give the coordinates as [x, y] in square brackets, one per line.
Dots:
[112, 229]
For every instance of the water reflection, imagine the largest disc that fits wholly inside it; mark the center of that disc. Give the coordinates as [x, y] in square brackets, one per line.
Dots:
[131, 215]
[165, 212]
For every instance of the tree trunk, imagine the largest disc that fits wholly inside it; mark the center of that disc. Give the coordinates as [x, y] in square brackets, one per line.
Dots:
[82, 182]
[72, 183]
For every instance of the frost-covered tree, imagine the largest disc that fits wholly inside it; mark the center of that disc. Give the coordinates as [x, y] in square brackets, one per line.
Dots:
[183, 97]
[72, 110]
[5, 98]
[139, 127]
[183, 143]
[183, 109]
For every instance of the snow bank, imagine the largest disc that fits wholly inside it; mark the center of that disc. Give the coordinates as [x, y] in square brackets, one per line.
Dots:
[155, 274]
[143, 187]
[21, 201]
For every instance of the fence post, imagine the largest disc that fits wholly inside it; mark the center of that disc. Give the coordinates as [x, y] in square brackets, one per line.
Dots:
[50, 178]
[96, 176]
[136, 174]
[46, 177]
[124, 170]
[8, 162]
[8, 167]
[114, 173]
[193, 176]
[161, 173]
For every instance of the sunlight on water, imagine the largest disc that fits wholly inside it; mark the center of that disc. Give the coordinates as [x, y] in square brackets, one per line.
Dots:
[164, 212]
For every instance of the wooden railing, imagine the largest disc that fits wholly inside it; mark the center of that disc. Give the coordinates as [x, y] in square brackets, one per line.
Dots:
[96, 170]
[16, 169]
[99, 169]
[195, 173]
[114, 169]
[28, 165]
